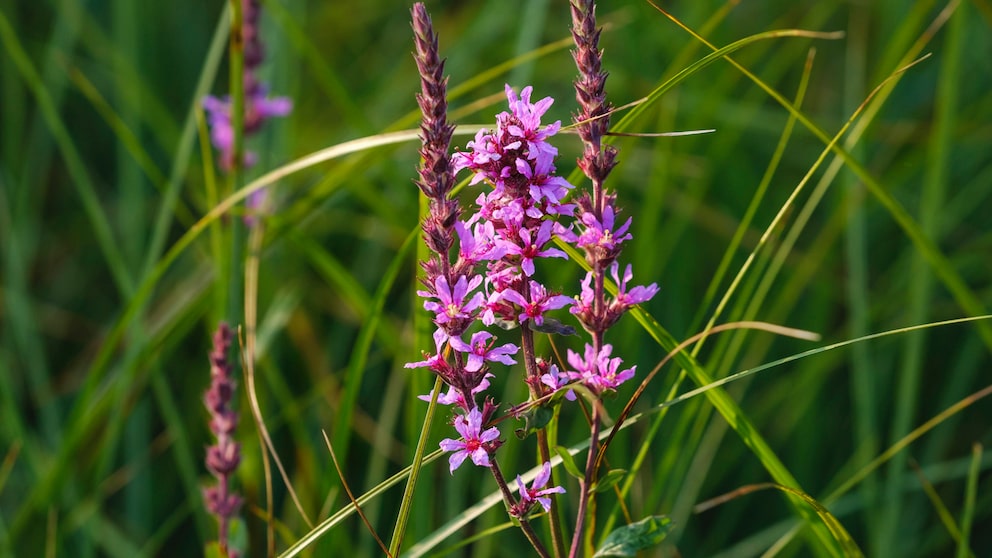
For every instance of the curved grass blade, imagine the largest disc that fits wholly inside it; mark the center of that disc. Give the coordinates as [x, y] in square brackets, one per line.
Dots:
[406, 504]
[963, 295]
[359, 354]
[468, 515]
[968, 516]
[93, 406]
[324, 526]
[848, 545]
[74, 163]
[938, 504]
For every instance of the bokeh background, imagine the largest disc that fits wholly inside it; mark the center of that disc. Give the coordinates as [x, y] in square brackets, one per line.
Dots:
[103, 342]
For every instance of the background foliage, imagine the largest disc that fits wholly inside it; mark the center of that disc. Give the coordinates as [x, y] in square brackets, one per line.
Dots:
[106, 325]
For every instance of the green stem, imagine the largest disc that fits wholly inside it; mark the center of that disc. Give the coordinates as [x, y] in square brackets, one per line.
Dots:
[406, 505]
[524, 523]
[585, 484]
[543, 447]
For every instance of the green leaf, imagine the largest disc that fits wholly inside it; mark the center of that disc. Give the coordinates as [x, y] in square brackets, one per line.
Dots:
[212, 550]
[608, 480]
[553, 326]
[629, 539]
[569, 462]
[237, 536]
[237, 541]
[534, 420]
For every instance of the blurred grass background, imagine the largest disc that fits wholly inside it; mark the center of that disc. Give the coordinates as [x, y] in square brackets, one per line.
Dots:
[103, 354]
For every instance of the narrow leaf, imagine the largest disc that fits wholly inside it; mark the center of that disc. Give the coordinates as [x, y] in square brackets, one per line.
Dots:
[629, 539]
[534, 420]
[608, 480]
[569, 462]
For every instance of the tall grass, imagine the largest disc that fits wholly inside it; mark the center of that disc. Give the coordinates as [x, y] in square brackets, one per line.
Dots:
[122, 248]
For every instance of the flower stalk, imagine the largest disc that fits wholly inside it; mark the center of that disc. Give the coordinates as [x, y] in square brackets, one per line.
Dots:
[224, 456]
[601, 238]
[484, 270]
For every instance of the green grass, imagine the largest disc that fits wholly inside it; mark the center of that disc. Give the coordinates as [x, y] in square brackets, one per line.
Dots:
[122, 248]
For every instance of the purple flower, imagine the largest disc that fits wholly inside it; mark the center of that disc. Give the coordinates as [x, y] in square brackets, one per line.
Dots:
[474, 442]
[555, 379]
[437, 363]
[598, 372]
[479, 350]
[258, 108]
[543, 182]
[536, 493]
[454, 397]
[494, 155]
[636, 295]
[600, 234]
[584, 302]
[478, 244]
[430, 361]
[485, 152]
[540, 302]
[452, 305]
[528, 123]
[529, 248]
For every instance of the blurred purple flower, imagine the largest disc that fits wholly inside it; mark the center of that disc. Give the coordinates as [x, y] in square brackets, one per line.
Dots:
[224, 456]
[258, 109]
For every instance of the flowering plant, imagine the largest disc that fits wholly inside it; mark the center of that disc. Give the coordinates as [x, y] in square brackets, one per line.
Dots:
[494, 279]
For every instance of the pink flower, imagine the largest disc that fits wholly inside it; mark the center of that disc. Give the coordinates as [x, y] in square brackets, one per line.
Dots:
[636, 295]
[601, 234]
[530, 248]
[452, 305]
[543, 182]
[479, 244]
[454, 397]
[479, 350]
[598, 372]
[584, 302]
[473, 443]
[528, 123]
[540, 302]
[556, 380]
[435, 362]
[518, 135]
[536, 494]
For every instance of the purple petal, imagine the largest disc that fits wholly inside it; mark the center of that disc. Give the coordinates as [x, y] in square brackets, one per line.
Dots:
[489, 435]
[474, 363]
[456, 460]
[480, 457]
[448, 444]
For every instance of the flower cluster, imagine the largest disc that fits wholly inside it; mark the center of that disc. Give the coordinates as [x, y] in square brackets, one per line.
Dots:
[493, 280]
[516, 220]
[259, 107]
[484, 268]
[224, 456]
